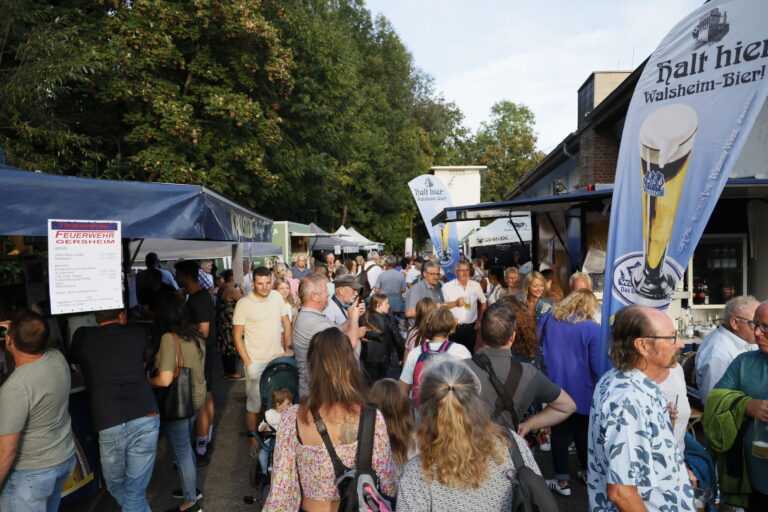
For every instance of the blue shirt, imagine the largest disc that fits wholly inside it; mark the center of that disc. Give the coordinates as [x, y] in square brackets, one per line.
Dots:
[572, 354]
[631, 443]
[716, 352]
[298, 274]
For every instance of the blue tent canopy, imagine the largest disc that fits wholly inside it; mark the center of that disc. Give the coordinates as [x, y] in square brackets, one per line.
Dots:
[146, 210]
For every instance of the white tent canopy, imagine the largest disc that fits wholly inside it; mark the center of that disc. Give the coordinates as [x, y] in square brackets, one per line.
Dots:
[362, 241]
[501, 231]
[172, 249]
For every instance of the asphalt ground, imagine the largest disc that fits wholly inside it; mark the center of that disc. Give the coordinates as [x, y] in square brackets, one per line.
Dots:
[225, 481]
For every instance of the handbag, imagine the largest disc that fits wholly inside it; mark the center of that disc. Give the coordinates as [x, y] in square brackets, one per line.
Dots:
[175, 401]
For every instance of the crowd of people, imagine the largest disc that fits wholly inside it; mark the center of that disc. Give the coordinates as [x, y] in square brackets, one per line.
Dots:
[469, 375]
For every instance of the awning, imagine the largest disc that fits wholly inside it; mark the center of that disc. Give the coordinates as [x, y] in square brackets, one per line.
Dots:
[325, 241]
[354, 235]
[146, 210]
[172, 249]
[514, 230]
[503, 209]
[735, 188]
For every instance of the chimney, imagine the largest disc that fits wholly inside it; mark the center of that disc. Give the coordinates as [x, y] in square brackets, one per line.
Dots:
[595, 89]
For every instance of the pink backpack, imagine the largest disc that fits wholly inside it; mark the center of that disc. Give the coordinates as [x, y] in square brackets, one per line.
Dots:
[426, 353]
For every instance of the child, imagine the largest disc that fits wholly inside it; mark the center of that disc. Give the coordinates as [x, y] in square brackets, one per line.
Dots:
[392, 401]
[281, 400]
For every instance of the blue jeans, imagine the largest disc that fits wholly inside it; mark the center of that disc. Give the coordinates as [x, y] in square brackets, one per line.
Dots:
[35, 490]
[264, 455]
[127, 458]
[179, 434]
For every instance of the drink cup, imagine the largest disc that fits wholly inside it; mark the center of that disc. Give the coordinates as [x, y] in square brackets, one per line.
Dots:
[467, 303]
[760, 440]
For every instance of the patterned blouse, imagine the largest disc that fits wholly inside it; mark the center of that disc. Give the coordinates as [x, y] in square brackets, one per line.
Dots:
[418, 494]
[631, 443]
[308, 469]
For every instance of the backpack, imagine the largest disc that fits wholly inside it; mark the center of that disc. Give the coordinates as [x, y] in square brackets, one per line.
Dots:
[359, 486]
[530, 492]
[426, 353]
[505, 391]
[367, 287]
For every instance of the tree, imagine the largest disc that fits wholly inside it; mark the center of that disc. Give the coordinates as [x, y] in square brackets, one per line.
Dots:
[507, 145]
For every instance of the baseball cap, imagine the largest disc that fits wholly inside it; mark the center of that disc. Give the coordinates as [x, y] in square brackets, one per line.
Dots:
[347, 280]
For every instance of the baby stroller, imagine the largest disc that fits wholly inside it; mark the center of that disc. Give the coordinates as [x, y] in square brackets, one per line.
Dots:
[279, 373]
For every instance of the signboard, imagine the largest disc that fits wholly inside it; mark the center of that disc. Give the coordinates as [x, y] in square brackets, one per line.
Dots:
[691, 112]
[432, 196]
[84, 265]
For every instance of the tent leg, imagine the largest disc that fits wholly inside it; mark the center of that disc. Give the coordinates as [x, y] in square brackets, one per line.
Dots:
[127, 261]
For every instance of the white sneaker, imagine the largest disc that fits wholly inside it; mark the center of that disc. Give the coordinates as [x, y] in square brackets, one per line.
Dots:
[554, 486]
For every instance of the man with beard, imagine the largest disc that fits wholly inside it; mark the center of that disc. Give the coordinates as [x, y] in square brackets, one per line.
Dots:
[634, 461]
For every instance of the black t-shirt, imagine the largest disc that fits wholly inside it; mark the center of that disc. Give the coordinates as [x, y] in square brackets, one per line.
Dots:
[201, 310]
[112, 360]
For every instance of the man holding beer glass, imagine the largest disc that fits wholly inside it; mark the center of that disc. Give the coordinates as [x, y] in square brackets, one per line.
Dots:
[748, 373]
[470, 304]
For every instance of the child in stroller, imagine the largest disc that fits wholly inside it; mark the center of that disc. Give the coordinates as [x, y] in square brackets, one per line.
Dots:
[280, 374]
[281, 400]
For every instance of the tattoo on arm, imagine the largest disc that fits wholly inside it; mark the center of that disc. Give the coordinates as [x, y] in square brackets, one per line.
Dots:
[348, 432]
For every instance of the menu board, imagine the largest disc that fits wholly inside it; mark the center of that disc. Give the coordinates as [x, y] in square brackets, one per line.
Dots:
[84, 265]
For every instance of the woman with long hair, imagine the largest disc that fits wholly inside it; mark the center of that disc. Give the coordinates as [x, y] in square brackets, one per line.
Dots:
[495, 280]
[177, 331]
[571, 342]
[534, 287]
[228, 295]
[382, 344]
[392, 401]
[415, 335]
[351, 266]
[463, 457]
[526, 348]
[303, 476]
[282, 286]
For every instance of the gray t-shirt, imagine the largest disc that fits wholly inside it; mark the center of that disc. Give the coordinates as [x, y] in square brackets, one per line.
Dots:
[308, 323]
[392, 283]
[418, 292]
[534, 386]
[35, 401]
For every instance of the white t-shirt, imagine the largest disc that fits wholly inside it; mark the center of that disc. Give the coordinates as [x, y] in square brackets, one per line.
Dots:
[373, 274]
[262, 319]
[412, 275]
[453, 290]
[456, 350]
[674, 389]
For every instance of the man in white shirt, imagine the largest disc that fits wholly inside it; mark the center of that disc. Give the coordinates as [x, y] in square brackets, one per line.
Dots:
[732, 338]
[414, 272]
[246, 286]
[469, 313]
[372, 268]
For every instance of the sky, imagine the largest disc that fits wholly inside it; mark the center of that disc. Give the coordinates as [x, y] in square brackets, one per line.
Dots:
[536, 52]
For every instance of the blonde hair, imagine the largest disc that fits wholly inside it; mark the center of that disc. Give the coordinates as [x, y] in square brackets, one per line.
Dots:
[578, 306]
[455, 434]
[392, 401]
[529, 278]
[280, 270]
[281, 280]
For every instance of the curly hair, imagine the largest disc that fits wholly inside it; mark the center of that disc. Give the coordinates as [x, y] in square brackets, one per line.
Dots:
[526, 338]
[455, 433]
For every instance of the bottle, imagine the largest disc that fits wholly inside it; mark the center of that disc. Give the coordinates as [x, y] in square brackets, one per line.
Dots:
[705, 291]
[689, 331]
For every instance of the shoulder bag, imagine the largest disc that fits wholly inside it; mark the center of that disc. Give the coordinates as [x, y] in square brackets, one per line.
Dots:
[175, 401]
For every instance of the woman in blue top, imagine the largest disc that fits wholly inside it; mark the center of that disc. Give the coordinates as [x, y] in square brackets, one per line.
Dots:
[534, 287]
[570, 341]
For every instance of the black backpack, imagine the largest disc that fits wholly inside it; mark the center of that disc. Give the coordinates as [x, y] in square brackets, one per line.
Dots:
[505, 391]
[530, 492]
[367, 286]
[359, 486]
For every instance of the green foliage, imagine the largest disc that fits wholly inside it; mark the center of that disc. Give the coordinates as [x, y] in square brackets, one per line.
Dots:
[295, 108]
[507, 145]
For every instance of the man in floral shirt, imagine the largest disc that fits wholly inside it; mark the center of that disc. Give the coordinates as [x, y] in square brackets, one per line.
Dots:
[634, 461]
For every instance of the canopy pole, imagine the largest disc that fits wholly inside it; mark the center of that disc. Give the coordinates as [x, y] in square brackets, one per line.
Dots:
[135, 253]
[237, 262]
[516, 231]
[557, 234]
[126, 243]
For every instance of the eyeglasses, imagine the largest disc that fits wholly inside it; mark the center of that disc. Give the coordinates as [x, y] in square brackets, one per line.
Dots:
[673, 338]
[432, 273]
[754, 325]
